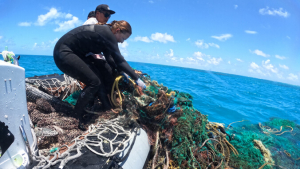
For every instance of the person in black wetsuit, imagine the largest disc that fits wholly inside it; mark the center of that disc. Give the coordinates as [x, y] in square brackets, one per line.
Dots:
[70, 54]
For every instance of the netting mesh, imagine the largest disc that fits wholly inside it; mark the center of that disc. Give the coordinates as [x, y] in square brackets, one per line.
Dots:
[58, 86]
[181, 137]
[280, 137]
[46, 122]
[106, 139]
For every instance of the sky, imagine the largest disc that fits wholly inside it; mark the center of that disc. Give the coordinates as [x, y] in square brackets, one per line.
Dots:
[254, 38]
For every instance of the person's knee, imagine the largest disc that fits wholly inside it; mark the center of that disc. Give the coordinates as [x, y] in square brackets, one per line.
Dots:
[95, 83]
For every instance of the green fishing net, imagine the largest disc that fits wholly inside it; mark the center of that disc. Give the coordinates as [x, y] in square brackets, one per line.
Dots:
[72, 99]
[182, 137]
[283, 144]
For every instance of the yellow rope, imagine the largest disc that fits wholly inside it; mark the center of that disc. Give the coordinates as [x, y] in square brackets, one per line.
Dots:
[235, 122]
[231, 147]
[286, 131]
[155, 83]
[116, 85]
[274, 130]
[289, 155]
[172, 93]
[265, 165]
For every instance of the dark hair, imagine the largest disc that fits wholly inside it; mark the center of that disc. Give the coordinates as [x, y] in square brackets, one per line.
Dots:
[91, 14]
[122, 25]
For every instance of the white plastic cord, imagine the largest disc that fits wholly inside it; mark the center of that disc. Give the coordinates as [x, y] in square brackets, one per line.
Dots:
[94, 131]
[34, 144]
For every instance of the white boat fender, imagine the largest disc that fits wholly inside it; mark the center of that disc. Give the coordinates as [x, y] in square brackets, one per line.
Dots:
[113, 162]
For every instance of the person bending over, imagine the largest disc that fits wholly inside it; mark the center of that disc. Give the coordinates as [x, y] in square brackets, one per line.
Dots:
[100, 16]
[70, 57]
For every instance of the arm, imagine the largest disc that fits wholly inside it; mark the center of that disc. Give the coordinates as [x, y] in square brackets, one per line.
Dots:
[111, 61]
[122, 64]
[111, 47]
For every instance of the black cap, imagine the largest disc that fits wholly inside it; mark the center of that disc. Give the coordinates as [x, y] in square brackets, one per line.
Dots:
[104, 7]
[91, 14]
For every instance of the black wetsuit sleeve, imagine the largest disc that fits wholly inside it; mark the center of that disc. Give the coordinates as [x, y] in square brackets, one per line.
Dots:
[113, 50]
[111, 61]
[121, 63]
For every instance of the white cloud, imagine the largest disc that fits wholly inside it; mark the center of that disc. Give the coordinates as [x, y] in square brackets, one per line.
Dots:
[229, 62]
[201, 44]
[41, 46]
[260, 53]
[214, 61]
[279, 12]
[43, 19]
[280, 57]
[54, 14]
[164, 38]
[254, 65]
[174, 58]
[181, 59]
[288, 37]
[24, 24]
[222, 37]
[190, 59]
[53, 41]
[123, 48]
[257, 71]
[250, 32]
[235, 6]
[240, 60]
[266, 64]
[292, 77]
[188, 39]
[68, 16]
[171, 54]
[284, 66]
[214, 45]
[67, 25]
[266, 69]
[45, 45]
[34, 45]
[143, 39]
[123, 45]
[1, 37]
[199, 55]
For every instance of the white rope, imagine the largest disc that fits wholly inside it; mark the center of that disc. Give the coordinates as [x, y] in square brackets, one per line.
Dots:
[94, 131]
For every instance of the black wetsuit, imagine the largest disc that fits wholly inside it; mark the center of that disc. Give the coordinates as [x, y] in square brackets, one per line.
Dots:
[70, 57]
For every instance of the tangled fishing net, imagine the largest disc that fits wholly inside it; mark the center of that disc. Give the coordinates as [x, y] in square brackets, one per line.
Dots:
[179, 135]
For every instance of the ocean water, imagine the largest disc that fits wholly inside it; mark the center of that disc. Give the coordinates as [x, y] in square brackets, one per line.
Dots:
[223, 97]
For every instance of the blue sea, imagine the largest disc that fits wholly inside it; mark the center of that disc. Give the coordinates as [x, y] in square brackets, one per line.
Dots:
[223, 97]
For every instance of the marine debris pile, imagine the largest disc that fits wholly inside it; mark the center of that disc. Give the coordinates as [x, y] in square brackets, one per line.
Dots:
[180, 136]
